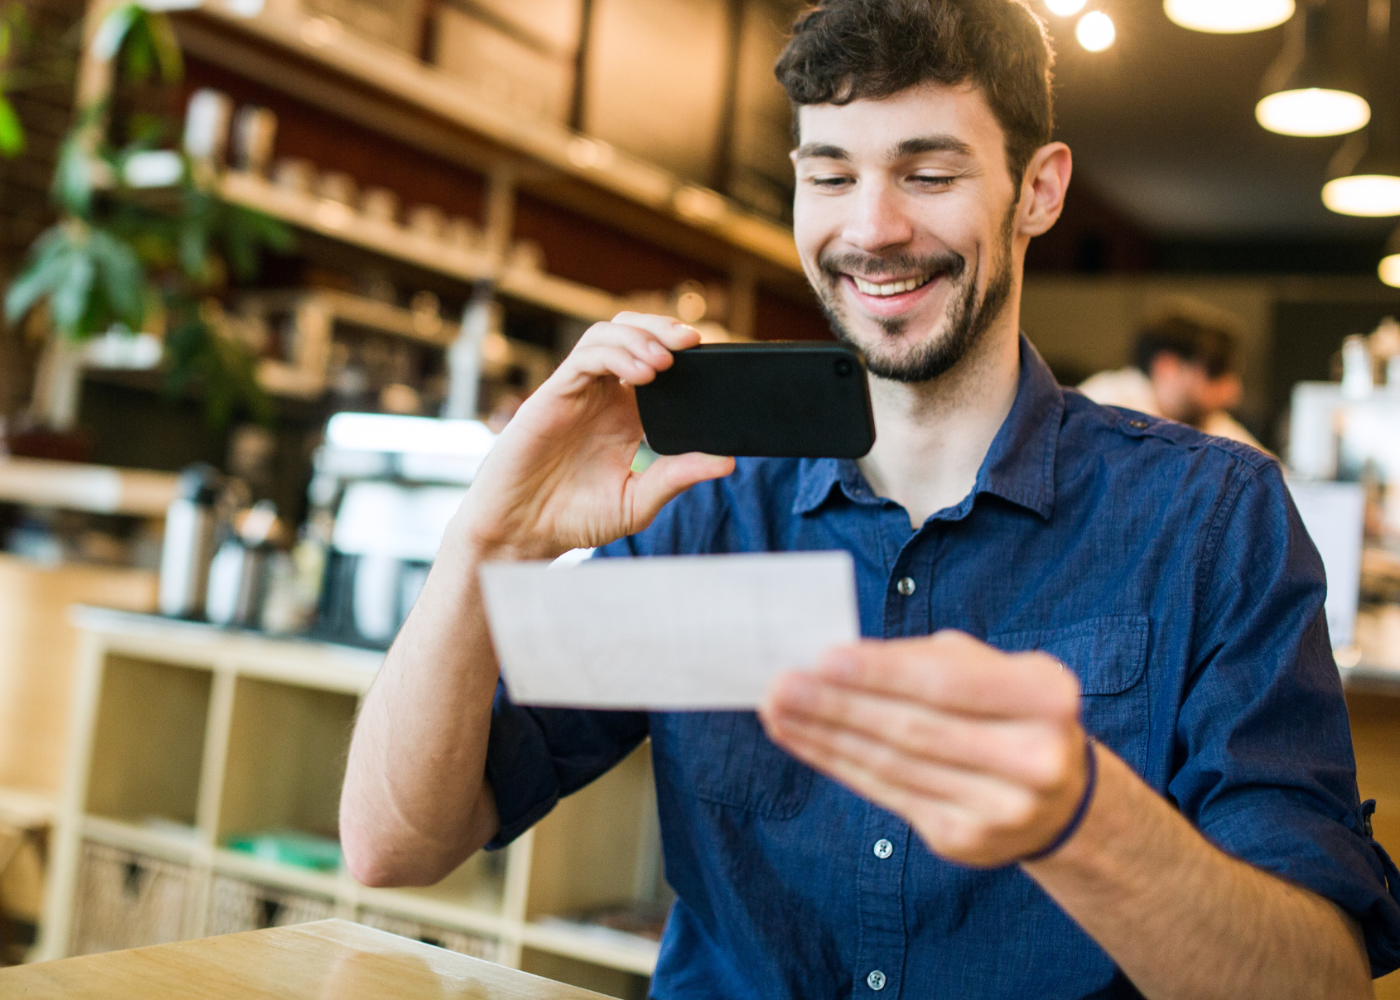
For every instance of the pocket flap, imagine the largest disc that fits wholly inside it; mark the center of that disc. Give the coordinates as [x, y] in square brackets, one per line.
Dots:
[1108, 653]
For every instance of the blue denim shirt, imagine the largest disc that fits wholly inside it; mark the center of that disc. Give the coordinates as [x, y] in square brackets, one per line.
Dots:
[1168, 569]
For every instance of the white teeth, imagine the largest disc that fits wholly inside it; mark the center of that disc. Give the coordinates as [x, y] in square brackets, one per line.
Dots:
[890, 287]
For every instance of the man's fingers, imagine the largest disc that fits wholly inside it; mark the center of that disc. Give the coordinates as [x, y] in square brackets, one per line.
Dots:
[668, 477]
[874, 764]
[677, 336]
[953, 671]
[589, 362]
[643, 343]
[942, 822]
[1024, 750]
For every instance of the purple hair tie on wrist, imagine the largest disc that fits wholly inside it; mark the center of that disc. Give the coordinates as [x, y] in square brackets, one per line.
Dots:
[1091, 780]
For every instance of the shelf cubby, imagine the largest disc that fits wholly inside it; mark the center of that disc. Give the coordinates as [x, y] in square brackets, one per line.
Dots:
[588, 975]
[599, 847]
[286, 759]
[478, 885]
[148, 743]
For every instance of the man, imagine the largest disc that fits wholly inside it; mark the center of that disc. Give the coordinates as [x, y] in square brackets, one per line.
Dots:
[925, 815]
[1183, 369]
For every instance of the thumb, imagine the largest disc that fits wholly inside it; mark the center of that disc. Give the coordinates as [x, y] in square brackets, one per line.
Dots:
[668, 477]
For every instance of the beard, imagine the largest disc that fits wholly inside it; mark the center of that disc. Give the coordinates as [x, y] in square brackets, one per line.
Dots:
[967, 318]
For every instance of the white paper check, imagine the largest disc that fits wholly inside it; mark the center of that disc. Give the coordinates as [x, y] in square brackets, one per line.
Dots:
[674, 632]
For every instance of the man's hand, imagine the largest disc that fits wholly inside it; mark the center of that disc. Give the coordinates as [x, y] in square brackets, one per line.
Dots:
[415, 801]
[560, 476]
[983, 754]
[980, 751]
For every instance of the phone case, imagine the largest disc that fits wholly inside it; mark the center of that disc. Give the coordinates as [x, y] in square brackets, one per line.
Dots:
[781, 400]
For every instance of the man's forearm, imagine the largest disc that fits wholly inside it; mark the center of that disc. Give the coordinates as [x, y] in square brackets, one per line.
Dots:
[1183, 919]
[414, 803]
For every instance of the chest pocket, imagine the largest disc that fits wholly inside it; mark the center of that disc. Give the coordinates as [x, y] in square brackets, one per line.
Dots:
[726, 759]
[1109, 655]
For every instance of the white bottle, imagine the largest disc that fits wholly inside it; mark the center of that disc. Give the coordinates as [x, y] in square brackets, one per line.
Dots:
[190, 521]
[464, 355]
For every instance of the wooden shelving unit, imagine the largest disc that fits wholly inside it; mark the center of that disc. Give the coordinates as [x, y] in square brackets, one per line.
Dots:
[339, 222]
[99, 489]
[183, 734]
[374, 73]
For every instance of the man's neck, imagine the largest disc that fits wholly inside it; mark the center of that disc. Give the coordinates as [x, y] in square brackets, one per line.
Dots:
[931, 437]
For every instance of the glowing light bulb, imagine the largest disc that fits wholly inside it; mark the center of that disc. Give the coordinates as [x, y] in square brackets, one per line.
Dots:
[1368, 195]
[1065, 8]
[1390, 270]
[1095, 31]
[1228, 17]
[1312, 112]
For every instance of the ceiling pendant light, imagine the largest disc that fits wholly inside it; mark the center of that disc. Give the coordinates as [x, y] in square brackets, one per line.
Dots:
[1364, 176]
[1365, 173]
[1390, 263]
[1065, 8]
[1307, 92]
[1228, 17]
[1095, 31]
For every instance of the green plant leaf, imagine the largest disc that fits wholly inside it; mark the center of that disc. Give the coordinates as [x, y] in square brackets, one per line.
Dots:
[70, 300]
[48, 265]
[123, 279]
[11, 130]
[107, 41]
[194, 251]
[72, 177]
[165, 45]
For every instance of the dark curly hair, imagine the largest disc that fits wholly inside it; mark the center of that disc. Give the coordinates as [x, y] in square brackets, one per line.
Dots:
[849, 50]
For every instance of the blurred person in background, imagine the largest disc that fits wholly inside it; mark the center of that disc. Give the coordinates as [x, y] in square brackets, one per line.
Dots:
[1185, 368]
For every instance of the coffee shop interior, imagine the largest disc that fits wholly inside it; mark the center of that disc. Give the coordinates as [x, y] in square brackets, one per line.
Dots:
[278, 271]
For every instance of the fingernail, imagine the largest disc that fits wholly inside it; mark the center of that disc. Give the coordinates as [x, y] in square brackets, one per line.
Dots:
[797, 691]
[840, 664]
[687, 328]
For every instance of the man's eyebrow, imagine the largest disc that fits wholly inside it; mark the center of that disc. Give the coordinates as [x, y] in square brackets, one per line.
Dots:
[822, 150]
[938, 143]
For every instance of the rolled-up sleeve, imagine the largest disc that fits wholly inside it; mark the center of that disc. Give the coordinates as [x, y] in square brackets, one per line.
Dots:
[536, 756]
[1266, 768]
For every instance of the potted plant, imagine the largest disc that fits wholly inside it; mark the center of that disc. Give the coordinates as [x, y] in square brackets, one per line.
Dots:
[127, 257]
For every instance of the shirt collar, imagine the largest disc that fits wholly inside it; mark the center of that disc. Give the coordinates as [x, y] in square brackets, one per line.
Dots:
[1019, 467]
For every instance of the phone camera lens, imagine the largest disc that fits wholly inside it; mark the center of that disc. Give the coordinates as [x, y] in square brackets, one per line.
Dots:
[844, 367]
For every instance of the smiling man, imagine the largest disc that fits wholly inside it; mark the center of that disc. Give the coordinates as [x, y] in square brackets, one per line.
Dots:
[1094, 743]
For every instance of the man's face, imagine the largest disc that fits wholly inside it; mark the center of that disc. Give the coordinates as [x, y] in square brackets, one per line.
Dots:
[1186, 392]
[904, 219]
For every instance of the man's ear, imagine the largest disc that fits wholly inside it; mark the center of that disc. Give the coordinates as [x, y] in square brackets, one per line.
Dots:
[1043, 188]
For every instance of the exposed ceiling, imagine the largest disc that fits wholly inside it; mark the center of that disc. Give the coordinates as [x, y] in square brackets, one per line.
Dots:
[1162, 126]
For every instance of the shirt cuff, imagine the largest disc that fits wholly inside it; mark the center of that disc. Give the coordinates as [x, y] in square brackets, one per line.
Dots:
[1336, 859]
[519, 768]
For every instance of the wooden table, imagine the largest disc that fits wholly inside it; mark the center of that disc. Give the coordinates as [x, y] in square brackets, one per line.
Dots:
[327, 960]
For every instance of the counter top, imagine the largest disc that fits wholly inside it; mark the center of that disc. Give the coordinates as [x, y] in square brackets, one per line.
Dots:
[327, 960]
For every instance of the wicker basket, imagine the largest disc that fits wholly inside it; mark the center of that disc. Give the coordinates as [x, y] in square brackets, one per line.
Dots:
[129, 900]
[236, 904]
[440, 937]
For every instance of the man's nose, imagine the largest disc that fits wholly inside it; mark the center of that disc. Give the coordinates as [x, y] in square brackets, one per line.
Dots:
[878, 220]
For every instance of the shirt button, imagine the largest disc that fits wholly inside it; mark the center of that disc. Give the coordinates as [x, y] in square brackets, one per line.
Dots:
[905, 585]
[876, 980]
[1138, 424]
[883, 848]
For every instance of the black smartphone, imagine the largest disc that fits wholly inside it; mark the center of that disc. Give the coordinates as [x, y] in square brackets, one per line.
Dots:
[779, 400]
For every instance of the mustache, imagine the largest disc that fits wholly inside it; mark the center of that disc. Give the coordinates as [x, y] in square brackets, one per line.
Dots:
[836, 264]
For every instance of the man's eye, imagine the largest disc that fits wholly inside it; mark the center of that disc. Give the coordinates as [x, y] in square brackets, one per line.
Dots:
[933, 180]
[829, 182]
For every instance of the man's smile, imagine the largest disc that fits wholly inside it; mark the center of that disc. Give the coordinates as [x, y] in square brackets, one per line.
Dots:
[891, 296]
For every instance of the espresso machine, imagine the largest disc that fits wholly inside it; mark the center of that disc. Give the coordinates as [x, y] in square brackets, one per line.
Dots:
[385, 488]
